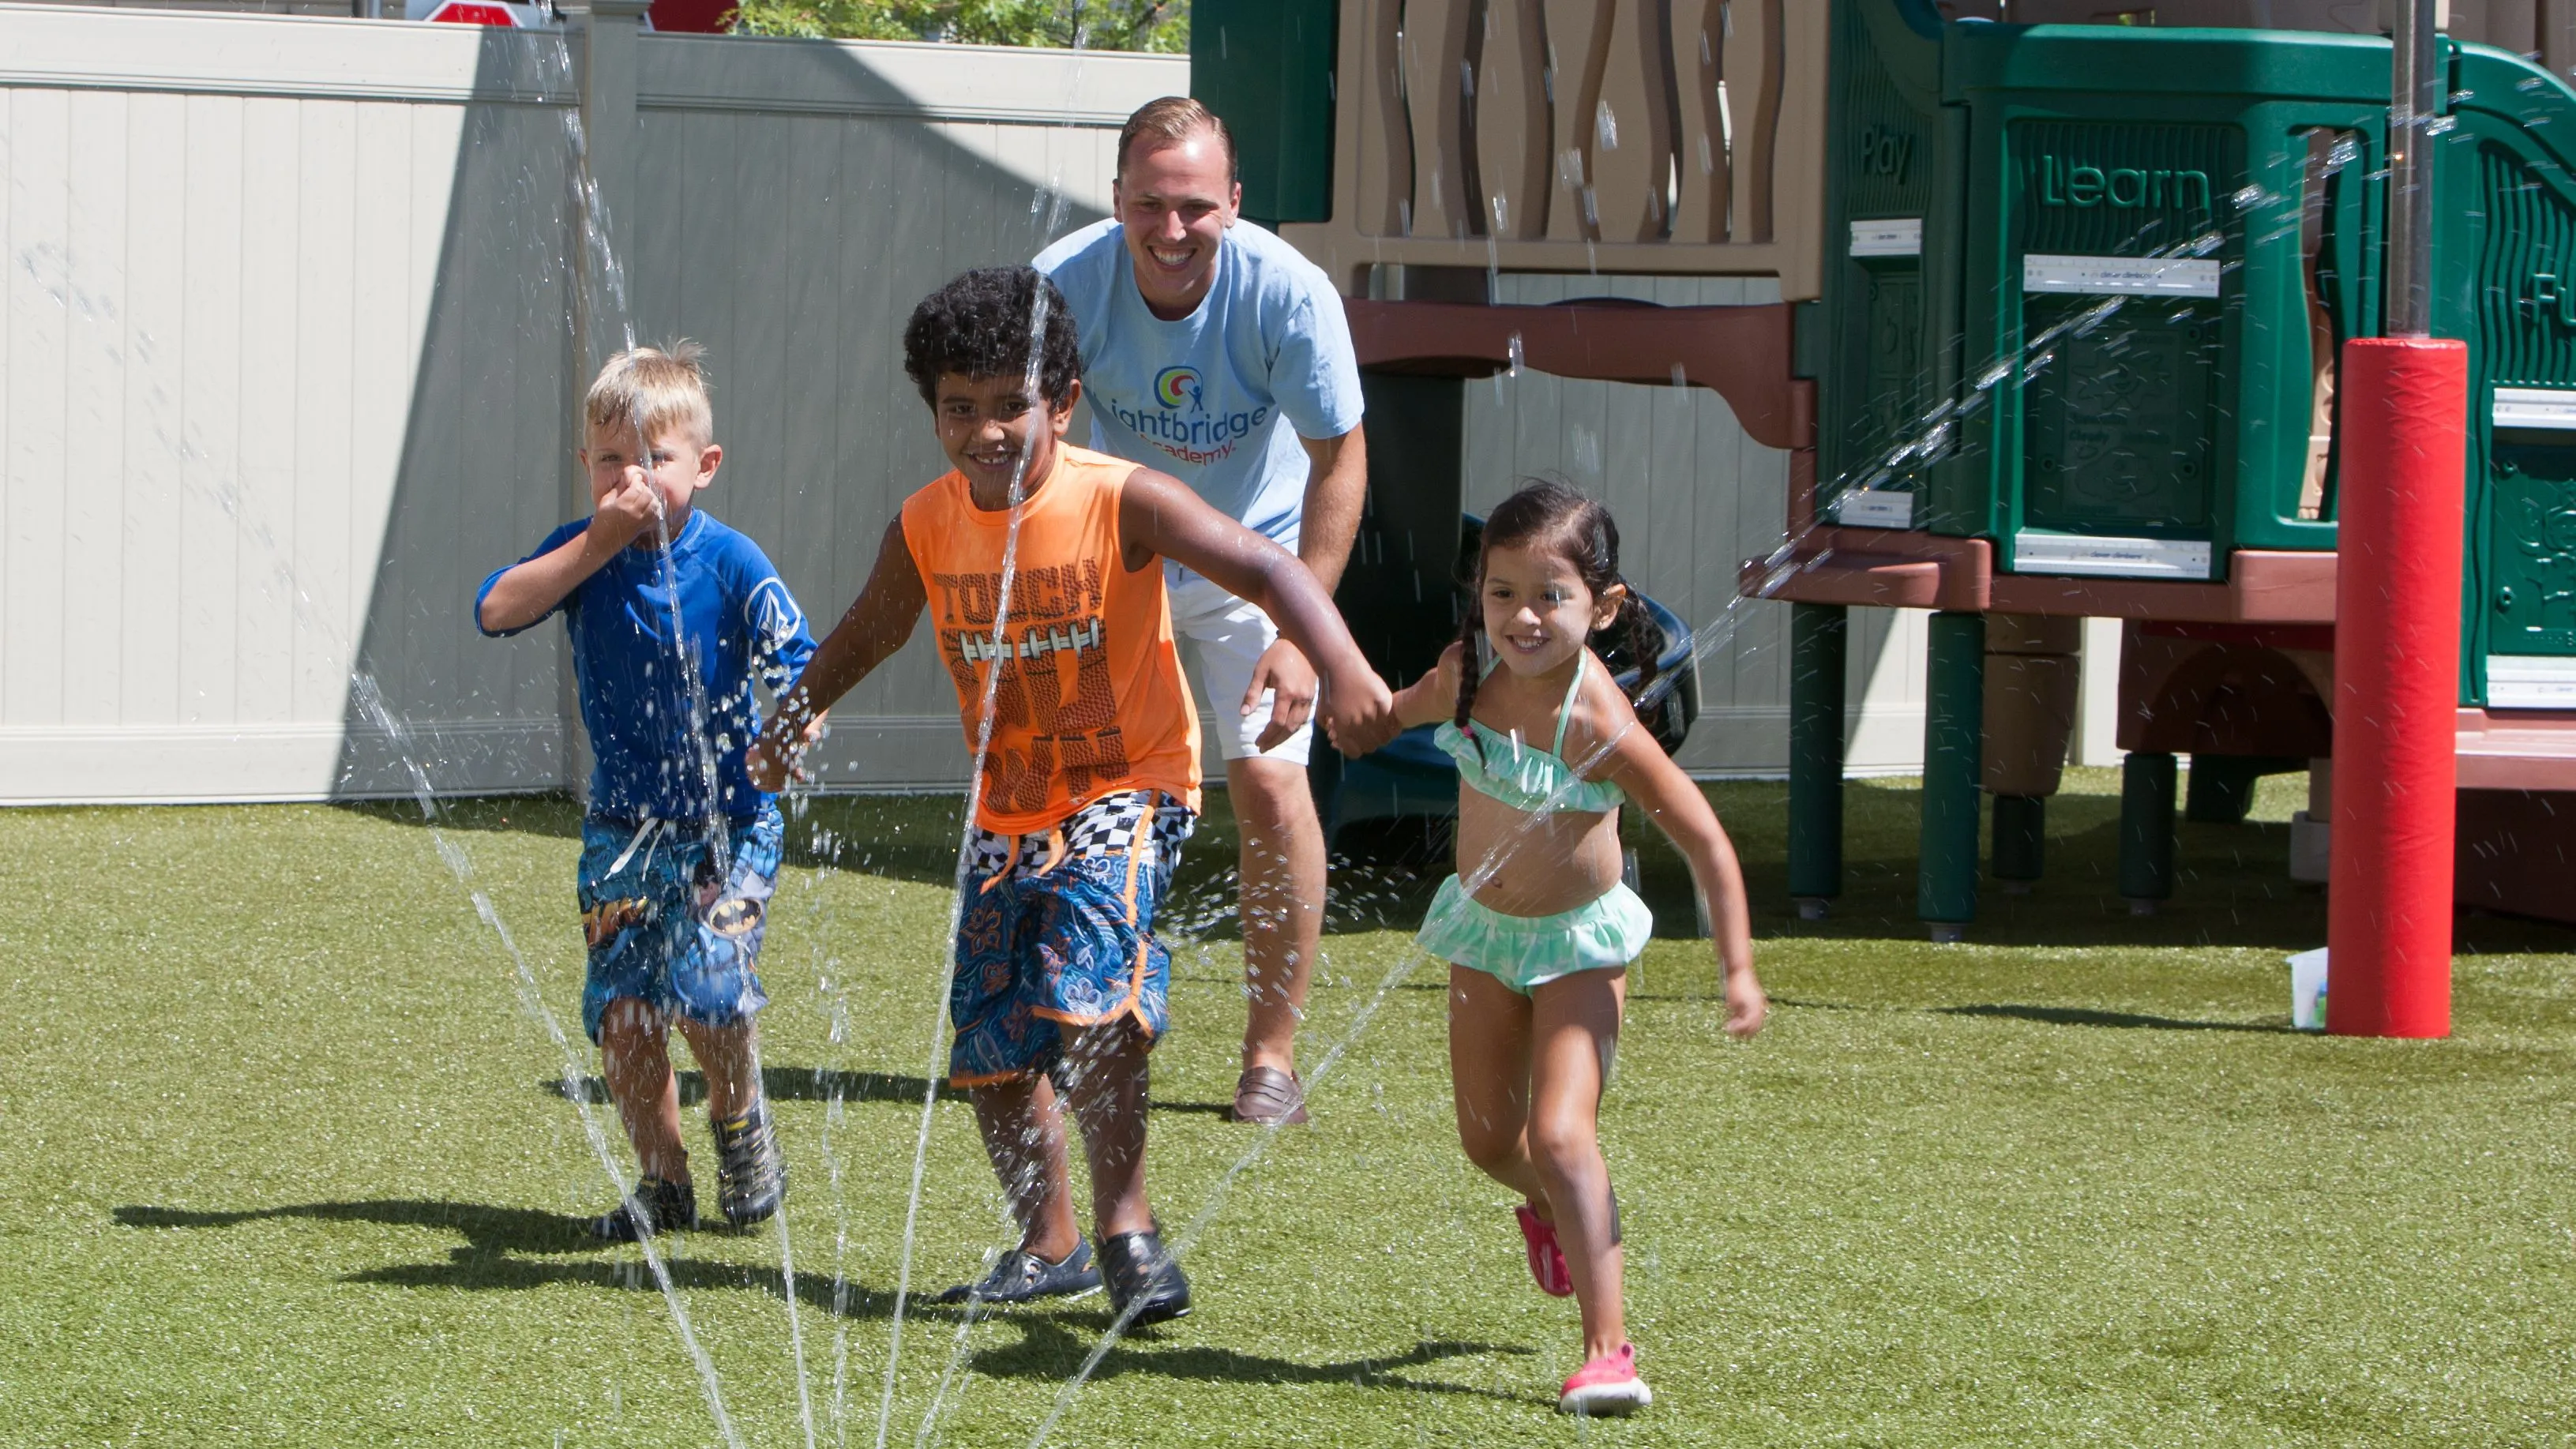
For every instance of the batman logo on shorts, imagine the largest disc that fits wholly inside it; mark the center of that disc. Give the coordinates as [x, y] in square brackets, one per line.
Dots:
[735, 917]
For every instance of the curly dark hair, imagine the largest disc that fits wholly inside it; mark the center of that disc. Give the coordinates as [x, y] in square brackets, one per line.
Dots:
[978, 326]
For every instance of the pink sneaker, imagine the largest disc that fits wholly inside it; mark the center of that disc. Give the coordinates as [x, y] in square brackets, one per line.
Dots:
[1546, 1259]
[1607, 1385]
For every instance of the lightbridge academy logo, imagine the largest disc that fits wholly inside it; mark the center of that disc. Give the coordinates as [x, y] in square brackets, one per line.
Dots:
[1179, 422]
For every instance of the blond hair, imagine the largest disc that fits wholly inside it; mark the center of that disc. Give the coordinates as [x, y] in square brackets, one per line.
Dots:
[654, 390]
[1170, 121]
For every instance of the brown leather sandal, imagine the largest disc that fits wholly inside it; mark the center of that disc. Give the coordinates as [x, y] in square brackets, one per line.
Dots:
[1269, 1097]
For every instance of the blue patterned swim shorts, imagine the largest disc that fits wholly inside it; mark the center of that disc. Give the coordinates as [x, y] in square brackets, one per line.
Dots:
[660, 930]
[1058, 931]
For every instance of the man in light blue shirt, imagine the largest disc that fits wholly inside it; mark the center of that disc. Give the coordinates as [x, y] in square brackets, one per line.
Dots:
[1215, 352]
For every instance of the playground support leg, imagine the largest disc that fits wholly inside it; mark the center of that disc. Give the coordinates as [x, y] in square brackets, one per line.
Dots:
[2147, 782]
[1953, 723]
[2397, 666]
[2221, 789]
[2020, 840]
[1819, 640]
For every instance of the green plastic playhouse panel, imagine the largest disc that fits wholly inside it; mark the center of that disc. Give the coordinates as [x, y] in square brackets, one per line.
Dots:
[2163, 232]
[1891, 295]
[1266, 66]
[2505, 274]
[2149, 241]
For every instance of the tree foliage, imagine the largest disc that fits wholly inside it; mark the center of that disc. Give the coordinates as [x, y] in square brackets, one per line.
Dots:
[1159, 25]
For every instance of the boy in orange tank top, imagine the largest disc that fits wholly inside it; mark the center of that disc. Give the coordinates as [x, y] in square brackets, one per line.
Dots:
[1041, 566]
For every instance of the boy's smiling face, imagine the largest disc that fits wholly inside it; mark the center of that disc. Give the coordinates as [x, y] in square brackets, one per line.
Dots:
[680, 463]
[988, 424]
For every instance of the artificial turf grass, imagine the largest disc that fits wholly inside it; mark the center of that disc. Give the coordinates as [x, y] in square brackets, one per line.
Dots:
[289, 1164]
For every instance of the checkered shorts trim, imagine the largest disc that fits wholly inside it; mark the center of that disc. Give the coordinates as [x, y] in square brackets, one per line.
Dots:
[1105, 827]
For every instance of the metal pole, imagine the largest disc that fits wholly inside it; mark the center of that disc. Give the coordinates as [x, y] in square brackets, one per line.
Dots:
[2415, 98]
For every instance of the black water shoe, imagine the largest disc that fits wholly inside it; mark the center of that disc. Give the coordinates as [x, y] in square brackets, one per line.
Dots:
[1021, 1276]
[1144, 1283]
[751, 1178]
[654, 1207]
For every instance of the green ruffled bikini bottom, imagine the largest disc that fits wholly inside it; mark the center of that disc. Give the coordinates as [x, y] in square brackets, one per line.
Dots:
[1526, 952]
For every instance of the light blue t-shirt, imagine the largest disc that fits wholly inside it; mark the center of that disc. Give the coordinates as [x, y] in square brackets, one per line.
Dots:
[1219, 398]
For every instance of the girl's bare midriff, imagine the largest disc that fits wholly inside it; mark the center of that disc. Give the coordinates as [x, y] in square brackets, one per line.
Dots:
[1547, 864]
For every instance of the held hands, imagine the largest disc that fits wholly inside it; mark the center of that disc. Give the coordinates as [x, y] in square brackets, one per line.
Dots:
[1359, 716]
[1359, 709]
[777, 755]
[1366, 726]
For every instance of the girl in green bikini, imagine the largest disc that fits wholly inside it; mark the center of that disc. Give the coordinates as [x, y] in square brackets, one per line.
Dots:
[1537, 926]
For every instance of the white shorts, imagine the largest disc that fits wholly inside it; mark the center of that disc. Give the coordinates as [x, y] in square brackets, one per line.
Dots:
[1221, 639]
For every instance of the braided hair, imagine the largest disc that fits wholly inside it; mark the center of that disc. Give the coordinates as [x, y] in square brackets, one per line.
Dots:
[1552, 515]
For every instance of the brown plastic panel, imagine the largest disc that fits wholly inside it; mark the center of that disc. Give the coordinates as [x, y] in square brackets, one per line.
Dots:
[1740, 353]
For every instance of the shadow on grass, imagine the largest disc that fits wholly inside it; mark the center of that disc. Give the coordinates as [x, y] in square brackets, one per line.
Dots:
[2124, 1020]
[815, 1084]
[515, 1249]
[489, 1232]
[1051, 1350]
[2049, 1016]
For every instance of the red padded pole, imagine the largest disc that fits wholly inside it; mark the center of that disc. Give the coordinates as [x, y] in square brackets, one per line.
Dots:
[2397, 667]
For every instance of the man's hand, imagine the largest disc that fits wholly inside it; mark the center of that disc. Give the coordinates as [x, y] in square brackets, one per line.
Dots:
[1283, 673]
[627, 512]
[1359, 714]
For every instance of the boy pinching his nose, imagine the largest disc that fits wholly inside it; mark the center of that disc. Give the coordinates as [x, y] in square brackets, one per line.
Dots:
[672, 616]
[1041, 568]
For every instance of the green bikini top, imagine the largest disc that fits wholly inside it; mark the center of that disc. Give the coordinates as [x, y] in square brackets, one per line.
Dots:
[1500, 767]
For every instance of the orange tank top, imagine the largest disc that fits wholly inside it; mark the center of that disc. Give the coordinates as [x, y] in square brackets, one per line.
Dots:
[1090, 700]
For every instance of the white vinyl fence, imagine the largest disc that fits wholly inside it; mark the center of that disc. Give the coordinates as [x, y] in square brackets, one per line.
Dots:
[290, 362]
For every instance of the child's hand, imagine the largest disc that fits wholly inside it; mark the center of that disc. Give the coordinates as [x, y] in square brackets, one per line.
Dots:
[625, 513]
[772, 760]
[1359, 714]
[768, 775]
[1746, 1006]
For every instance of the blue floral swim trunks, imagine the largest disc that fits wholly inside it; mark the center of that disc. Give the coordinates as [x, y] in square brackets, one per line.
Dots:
[1058, 930]
[661, 928]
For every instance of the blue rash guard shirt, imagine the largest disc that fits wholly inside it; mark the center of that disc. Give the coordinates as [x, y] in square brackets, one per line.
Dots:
[738, 620]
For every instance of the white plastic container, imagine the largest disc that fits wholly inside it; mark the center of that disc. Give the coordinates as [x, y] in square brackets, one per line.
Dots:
[2308, 990]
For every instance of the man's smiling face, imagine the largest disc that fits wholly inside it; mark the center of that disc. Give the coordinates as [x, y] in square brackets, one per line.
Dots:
[1175, 199]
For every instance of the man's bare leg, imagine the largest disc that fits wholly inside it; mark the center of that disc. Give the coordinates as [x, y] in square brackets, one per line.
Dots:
[1282, 902]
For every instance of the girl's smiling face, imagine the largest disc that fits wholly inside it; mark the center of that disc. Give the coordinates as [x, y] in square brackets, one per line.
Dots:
[1538, 613]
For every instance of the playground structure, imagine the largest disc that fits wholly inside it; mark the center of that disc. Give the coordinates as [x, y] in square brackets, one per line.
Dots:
[2061, 301]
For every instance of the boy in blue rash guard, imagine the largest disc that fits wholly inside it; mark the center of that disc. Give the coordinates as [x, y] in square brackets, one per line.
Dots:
[678, 848]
